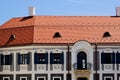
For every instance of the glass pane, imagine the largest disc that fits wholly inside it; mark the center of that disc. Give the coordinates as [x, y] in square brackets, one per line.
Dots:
[6, 79]
[40, 78]
[7, 59]
[107, 58]
[56, 78]
[23, 79]
[108, 78]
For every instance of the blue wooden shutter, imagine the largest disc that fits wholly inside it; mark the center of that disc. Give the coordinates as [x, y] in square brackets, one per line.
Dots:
[113, 58]
[118, 58]
[62, 58]
[51, 58]
[102, 58]
[46, 58]
[35, 58]
[2, 59]
[10, 59]
[28, 58]
[19, 58]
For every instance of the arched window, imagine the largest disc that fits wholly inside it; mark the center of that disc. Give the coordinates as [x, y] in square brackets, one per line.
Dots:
[81, 60]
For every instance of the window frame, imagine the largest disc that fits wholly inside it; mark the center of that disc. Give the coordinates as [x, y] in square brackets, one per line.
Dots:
[108, 58]
[23, 58]
[56, 77]
[41, 77]
[54, 60]
[6, 78]
[23, 77]
[37, 58]
[5, 60]
[108, 77]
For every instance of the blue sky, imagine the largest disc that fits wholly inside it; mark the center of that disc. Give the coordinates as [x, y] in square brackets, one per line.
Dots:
[19, 8]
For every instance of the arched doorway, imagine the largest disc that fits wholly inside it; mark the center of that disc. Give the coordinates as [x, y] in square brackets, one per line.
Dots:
[82, 78]
[81, 61]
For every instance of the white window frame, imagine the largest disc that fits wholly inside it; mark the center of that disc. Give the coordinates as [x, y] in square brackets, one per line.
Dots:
[108, 77]
[41, 77]
[56, 77]
[23, 77]
[6, 78]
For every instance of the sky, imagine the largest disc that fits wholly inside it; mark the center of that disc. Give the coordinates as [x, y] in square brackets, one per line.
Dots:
[19, 8]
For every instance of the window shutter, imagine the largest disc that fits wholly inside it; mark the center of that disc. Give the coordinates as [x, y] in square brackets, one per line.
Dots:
[28, 58]
[62, 58]
[19, 59]
[102, 58]
[35, 58]
[10, 59]
[118, 58]
[51, 58]
[46, 58]
[113, 58]
[2, 59]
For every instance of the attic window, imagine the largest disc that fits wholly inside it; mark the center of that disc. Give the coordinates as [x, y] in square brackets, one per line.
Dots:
[12, 36]
[106, 34]
[57, 35]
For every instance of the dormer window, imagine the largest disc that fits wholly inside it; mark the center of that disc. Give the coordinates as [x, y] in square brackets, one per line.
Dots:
[57, 35]
[106, 34]
[12, 36]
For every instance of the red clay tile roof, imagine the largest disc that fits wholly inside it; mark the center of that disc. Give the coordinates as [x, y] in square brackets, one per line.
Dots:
[41, 29]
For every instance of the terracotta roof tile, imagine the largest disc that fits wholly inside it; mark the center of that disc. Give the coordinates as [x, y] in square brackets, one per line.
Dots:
[41, 29]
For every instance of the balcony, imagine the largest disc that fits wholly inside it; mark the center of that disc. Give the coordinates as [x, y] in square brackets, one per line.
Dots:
[82, 72]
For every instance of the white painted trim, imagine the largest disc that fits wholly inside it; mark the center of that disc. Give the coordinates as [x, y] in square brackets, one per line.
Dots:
[108, 77]
[41, 51]
[6, 78]
[56, 77]
[23, 77]
[41, 77]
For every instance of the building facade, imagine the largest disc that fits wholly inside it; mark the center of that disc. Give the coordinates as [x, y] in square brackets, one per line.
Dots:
[60, 48]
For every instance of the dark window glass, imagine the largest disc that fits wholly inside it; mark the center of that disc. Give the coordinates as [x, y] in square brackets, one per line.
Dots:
[108, 79]
[57, 58]
[23, 58]
[56, 78]
[6, 60]
[41, 58]
[118, 58]
[107, 58]
[40, 78]
[6, 79]
[81, 60]
[23, 79]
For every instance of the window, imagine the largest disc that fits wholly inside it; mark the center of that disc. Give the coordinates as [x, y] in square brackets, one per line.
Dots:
[81, 60]
[57, 35]
[41, 58]
[107, 78]
[56, 58]
[41, 78]
[56, 78]
[23, 78]
[6, 59]
[24, 58]
[106, 34]
[6, 78]
[118, 58]
[108, 58]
